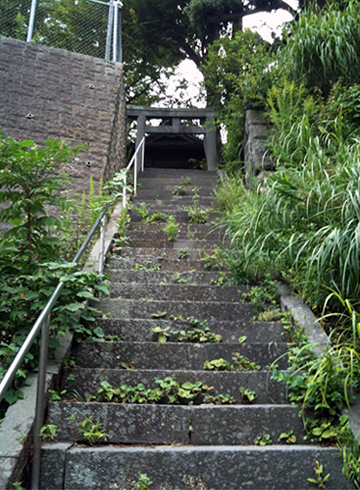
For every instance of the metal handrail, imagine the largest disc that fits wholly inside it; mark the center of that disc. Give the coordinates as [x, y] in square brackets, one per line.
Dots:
[142, 147]
[43, 323]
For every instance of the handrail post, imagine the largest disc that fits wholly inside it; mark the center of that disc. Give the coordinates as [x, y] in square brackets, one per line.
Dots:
[135, 179]
[102, 245]
[39, 412]
[124, 192]
[143, 155]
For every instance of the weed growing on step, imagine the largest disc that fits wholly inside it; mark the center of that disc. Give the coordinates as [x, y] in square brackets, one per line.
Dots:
[92, 432]
[264, 440]
[147, 265]
[180, 190]
[143, 482]
[263, 297]
[287, 437]
[142, 210]
[199, 333]
[197, 215]
[320, 477]
[184, 253]
[248, 395]
[55, 395]
[180, 280]
[240, 363]
[185, 181]
[168, 392]
[17, 485]
[171, 229]
[162, 334]
[49, 432]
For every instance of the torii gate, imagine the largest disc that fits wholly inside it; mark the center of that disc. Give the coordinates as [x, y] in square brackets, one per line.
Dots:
[207, 128]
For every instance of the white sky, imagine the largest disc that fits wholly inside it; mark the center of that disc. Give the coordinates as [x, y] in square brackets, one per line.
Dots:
[264, 23]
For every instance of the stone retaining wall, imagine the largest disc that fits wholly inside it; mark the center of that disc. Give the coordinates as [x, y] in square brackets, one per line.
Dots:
[70, 96]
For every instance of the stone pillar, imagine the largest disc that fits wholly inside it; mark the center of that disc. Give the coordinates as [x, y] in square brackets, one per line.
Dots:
[140, 133]
[210, 145]
[257, 157]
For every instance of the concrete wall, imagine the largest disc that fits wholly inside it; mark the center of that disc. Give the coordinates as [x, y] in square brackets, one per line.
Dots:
[74, 97]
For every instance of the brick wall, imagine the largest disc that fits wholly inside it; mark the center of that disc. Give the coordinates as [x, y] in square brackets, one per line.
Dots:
[71, 96]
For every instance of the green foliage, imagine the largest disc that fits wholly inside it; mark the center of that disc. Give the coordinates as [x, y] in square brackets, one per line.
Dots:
[196, 214]
[325, 48]
[288, 437]
[184, 253]
[261, 297]
[92, 432]
[247, 395]
[264, 440]
[320, 477]
[240, 363]
[199, 333]
[143, 482]
[49, 432]
[29, 182]
[171, 228]
[167, 392]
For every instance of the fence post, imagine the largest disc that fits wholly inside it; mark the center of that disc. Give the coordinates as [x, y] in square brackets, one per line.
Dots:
[115, 31]
[109, 29]
[31, 21]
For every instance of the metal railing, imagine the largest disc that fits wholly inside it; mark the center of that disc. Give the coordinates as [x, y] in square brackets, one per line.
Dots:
[139, 159]
[43, 324]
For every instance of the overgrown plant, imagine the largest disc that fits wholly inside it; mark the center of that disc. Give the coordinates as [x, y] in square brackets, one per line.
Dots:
[171, 229]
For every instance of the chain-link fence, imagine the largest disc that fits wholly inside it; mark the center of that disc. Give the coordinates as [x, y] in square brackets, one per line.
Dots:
[76, 25]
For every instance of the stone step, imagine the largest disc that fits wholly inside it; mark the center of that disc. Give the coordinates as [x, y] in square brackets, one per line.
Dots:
[165, 173]
[202, 310]
[201, 229]
[141, 259]
[171, 200]
[177, 292]
[87, 381]
[169, 190]
[180, 215]
[173, 424]
[156, 277]
[141, 241]
[182, 233]
[141, 330]
[276, 467]
[174, 355]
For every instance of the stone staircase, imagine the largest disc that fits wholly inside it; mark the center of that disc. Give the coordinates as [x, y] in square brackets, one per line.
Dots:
[204, 446]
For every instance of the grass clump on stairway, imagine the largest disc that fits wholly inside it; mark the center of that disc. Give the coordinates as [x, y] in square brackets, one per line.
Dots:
[169, 392]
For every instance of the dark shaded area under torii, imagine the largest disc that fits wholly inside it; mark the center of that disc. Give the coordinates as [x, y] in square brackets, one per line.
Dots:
[172, 144]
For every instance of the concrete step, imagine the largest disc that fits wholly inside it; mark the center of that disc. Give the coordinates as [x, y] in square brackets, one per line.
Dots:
[169, 190]
[168, 173]
[171, 200]
[201, 229]
[140, 258]
[174, 355]
[141, 330]
[202, 310]
[87, 381]
[177, 292]
[180, 215]
[173, 424]
[182, 467]
[126, 276]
